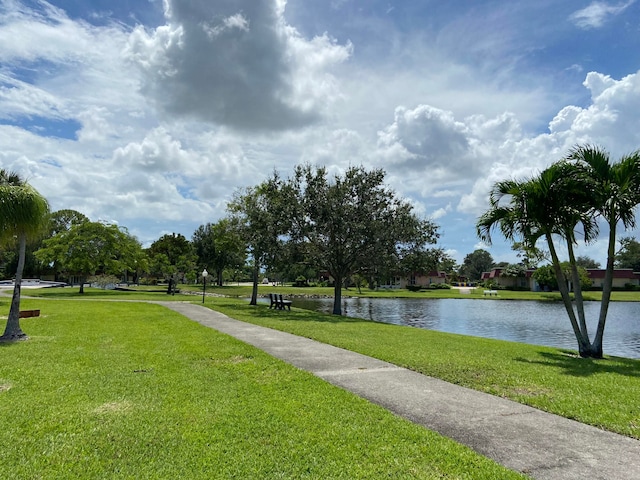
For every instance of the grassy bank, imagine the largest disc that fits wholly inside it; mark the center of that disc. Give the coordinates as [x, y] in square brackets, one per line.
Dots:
[129, 390]
[151, 293]
[475, 293]
[603, 393]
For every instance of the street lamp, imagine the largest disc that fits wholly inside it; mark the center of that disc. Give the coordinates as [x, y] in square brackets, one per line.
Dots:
[204, 283]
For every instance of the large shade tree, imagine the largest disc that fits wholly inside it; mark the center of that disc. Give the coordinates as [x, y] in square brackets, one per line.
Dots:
[171, 257]
[92, 247]
[218, 247]
[23, 213]
[261, 217]
[476, 263]
[348, 223]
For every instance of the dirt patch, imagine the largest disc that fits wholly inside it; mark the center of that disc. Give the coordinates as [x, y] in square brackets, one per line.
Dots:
[113, 407]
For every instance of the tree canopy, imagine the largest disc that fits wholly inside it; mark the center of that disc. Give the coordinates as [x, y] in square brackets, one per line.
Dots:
[474, 264]
[90, 247]
[629, 254]
[352, 223]
[218, 247]
[262, 216]
[342, 225]
[62, 220]
[586, 262]
[171, 257]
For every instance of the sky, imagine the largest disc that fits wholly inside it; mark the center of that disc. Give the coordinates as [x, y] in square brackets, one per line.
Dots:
[150, 114]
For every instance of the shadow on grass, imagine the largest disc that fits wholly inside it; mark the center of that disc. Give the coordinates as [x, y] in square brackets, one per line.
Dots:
[88, 293]
[262, 311]
[572, 364]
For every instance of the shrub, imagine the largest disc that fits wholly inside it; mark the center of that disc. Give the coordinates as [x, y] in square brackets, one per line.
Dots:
[104, 281]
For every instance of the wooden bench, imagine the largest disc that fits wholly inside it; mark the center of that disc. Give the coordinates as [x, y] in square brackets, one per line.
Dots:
[278, 303]
[29, 313]
[490, 292]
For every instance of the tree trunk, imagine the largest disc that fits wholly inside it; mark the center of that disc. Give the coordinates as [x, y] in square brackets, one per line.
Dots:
[81, 285]
[254, 290]
[337, 295]
[584, 346]
[577, 289]
[596, 348]
[219, 279]
[13, 331]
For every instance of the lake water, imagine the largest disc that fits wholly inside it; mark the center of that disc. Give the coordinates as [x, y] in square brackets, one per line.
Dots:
[537, 323]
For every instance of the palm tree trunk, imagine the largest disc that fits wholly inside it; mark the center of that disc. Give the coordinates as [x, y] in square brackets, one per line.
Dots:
[584, 347]
[13, 330]
[577, 291]
[607, 287]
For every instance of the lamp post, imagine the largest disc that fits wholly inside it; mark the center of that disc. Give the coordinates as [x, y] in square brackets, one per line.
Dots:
[204, 283]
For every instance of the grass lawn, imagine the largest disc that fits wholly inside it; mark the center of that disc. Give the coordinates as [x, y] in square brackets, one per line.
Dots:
[132, 390]
[140, 293]
[604, 393]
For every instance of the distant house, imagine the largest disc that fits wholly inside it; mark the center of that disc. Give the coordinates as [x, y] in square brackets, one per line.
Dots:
[424, 280]
[527, 281]
[622, 277]
[391, 283]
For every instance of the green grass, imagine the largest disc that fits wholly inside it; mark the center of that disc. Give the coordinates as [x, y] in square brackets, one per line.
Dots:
[603, 393]
[131, 390]
[139, 293]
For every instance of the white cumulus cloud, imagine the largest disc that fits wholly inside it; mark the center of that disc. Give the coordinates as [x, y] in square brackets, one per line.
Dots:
[237, 64]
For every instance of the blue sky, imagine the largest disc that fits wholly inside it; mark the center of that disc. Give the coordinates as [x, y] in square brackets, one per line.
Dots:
[151, 114]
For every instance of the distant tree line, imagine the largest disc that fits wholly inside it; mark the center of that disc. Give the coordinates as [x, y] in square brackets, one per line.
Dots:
[347, 229]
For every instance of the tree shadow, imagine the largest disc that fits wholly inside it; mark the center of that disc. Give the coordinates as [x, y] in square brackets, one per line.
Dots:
[572, 364]
[262, 311]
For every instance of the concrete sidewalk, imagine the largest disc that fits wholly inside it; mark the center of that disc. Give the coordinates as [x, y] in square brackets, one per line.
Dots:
[524, 439]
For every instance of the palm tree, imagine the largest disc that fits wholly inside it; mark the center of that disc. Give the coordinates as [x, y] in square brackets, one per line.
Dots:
[615, 189]
[23, 212]
[551, 204]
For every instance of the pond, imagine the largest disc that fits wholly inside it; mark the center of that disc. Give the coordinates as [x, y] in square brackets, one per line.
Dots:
[537, 323]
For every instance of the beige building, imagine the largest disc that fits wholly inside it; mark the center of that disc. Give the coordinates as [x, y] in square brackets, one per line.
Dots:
[622, 277]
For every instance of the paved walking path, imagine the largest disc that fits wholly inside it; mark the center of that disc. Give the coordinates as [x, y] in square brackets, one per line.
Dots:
[542, 445]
